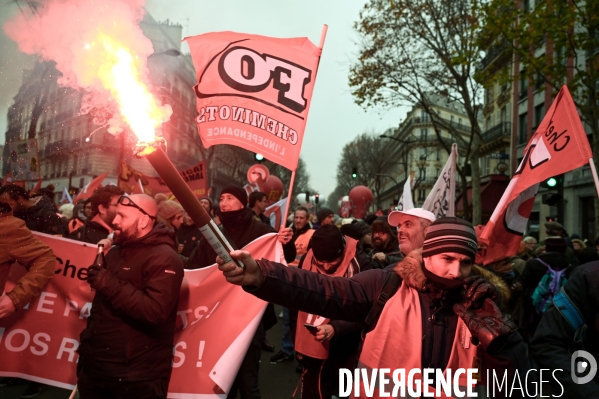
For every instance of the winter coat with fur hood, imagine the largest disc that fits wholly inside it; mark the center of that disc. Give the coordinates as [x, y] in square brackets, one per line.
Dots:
[351, 299]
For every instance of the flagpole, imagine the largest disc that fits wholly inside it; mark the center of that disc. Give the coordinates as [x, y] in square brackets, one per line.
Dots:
[323, 35]
[594, 172]
[290, 191]
[73, 392]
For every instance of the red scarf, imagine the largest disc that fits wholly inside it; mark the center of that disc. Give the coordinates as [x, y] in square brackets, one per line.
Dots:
[396, 341]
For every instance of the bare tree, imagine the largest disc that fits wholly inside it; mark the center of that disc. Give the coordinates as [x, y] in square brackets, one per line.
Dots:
[302, 177]
[371, 158]
[418, 51]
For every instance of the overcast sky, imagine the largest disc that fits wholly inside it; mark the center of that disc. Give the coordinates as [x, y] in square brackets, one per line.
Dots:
[334, 117]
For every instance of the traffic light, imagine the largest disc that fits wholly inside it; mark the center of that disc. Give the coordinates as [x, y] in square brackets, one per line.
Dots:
[354, 173]
[259, 157]
[555, 197]
[307, 196]
[316, 198]
[551, 199]
[553, 182]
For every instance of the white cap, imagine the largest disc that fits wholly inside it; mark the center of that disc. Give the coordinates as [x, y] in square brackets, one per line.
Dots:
[394, 216]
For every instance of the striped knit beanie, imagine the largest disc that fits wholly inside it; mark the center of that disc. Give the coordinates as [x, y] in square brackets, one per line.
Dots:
[450, 234]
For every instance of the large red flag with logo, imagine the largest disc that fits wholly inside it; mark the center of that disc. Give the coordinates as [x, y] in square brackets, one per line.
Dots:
[88, 190]
[558, 146]
[254, 92]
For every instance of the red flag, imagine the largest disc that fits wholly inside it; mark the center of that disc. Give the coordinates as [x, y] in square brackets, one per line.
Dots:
[558, 146]
[134, 182]
[88, 190]
[40, 342]
[254, 92]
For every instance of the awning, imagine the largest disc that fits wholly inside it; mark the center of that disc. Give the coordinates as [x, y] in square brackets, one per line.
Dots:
[492, 188]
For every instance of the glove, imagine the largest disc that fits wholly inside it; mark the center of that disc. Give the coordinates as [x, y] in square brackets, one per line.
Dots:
[486, 323]
[477, 289]
[97, 277]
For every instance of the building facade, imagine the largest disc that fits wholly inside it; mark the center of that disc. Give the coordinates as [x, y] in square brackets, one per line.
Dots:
[513, 109]
[415, 147]
[74, 146]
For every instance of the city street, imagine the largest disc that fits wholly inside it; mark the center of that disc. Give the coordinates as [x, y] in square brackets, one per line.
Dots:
[276, 380]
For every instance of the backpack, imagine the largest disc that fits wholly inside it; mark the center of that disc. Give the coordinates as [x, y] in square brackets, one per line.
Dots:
[570, 312]
[548, 287]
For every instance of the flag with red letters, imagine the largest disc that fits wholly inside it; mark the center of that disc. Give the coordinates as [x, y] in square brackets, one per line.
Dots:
[558, 146]
[254, 92]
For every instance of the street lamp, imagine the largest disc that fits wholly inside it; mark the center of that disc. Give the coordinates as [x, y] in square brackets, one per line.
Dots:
[421, 164]
[71, 174]
[412, 139]
[394, 181]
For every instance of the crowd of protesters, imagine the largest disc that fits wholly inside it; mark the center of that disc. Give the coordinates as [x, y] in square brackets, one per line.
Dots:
[404, 290]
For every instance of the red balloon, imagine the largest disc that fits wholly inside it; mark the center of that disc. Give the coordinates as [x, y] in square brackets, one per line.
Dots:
[360, 198]
[273, 188]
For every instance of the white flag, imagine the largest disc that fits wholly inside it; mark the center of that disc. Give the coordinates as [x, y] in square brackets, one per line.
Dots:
[275, 213]
[406, 202]
[441, 199]
[66, 197]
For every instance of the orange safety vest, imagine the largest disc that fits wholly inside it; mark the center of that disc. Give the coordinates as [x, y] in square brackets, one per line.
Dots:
[305, 342]
[301, 246]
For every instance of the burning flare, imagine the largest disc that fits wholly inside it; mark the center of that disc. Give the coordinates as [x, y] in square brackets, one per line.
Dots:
[120, 74]
[99, 47]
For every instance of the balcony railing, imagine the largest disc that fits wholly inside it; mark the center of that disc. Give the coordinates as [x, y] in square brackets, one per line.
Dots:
[427, 119]
[56, 149]
[523, 93]
[426, 181]
[493, 52]
[503, 129]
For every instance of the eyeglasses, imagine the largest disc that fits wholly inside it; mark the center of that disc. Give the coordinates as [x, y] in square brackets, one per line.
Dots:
[126, 201]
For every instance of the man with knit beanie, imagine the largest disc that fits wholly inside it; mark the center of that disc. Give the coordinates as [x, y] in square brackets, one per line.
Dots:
[325, 216]
[334, 343]
[169, 212]
[241, 228]
[206, 202]
[437, 311]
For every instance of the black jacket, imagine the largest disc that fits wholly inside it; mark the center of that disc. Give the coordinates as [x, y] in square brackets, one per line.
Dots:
[530, 278]
[91, 232]
[42, 217]
[351, 299]
[130, 331]
[553, 341]
[262, 218]
[241, 231]
[190, 237]
[534, 270]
